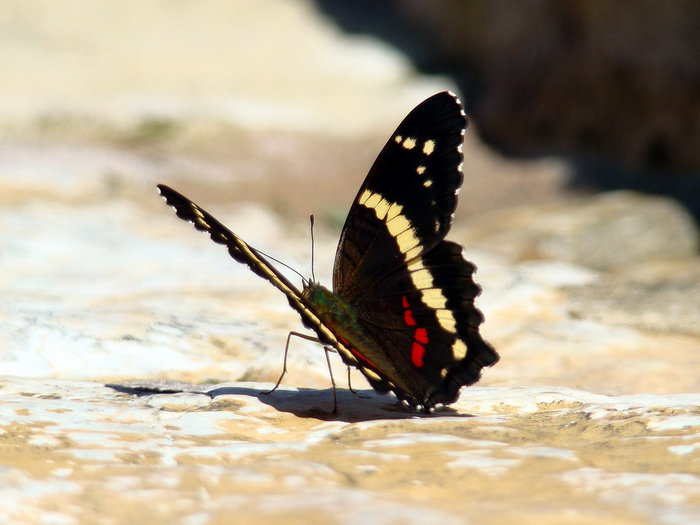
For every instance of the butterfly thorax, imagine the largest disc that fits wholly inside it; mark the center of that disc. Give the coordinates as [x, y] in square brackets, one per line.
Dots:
[332, 308]
[340, 316]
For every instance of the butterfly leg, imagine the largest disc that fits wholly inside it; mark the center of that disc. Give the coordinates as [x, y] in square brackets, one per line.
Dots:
[286, 351]
[349, 383]
[327, 349]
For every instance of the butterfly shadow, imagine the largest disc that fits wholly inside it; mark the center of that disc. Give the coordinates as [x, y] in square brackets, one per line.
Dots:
[353, 406]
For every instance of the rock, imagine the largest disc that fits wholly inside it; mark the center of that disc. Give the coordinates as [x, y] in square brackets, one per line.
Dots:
[134, 352]
[637, 255]
[611, 231]
[78, 452]
[669, 303]
[214, 72]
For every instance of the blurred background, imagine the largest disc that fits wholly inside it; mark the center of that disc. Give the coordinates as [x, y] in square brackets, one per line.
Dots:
[580, 203]
[613, 87]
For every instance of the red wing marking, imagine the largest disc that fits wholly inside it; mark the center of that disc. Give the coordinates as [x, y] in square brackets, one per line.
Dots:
[417, 353]
[357, 354]
[407, 312]
[408, 318]
[421, 335]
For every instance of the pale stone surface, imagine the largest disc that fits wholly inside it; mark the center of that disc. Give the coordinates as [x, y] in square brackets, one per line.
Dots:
[114, 292]
[593, 232]
[133, 351]
[256, 63]
[226, 454]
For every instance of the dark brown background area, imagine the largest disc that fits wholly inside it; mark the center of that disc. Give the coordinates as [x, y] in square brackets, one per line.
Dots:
[613, 86]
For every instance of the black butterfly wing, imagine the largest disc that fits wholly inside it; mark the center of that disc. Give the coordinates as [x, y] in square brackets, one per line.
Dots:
[244, 253]
[415, 178]
[412, 290]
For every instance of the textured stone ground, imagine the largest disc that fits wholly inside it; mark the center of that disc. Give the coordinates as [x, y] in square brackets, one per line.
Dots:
[89, 453]
[133, 351]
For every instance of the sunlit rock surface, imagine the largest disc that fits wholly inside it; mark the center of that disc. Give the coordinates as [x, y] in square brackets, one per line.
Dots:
[134, 352]
[76, 452]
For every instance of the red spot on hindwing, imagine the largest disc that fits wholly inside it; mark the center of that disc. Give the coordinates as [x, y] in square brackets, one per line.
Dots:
[357, 353]
[408, 318]
[417, 353]
[421, 335]
[407, 313]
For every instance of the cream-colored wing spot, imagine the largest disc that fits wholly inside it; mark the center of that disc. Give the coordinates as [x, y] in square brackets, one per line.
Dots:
[428, 147]
[420, 170]
[370, 199]
[415, 265]
[409, 143]
[389, 213]
[394, 211]
[422, 279]
[407, 240]
[375, 202]
[427, 183]
[381, 209]
[412, 253]
[398, 139]
[447, 320]
[434, 298]
[398, 225]
[459, 349]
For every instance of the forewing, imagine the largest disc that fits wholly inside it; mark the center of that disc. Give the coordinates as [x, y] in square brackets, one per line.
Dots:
[244, 253]
[410, 192]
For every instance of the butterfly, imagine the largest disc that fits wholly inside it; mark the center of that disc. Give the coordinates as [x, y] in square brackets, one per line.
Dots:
[402, 305]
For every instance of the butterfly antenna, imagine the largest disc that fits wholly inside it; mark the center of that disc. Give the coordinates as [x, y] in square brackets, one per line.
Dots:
[303, 279]
[313, 274]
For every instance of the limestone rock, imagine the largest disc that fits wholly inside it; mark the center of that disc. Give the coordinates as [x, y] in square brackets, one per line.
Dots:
[82, 452]
[134, 352]
[611, 231]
